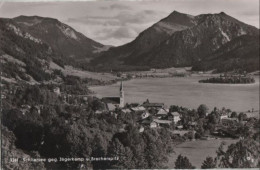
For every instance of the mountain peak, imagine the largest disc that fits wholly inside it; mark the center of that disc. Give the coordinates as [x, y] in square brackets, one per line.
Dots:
[222, 13]
[177, 13]
[179, 18]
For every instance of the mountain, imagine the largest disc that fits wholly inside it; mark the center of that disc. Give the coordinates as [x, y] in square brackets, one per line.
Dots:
[148, 39]
[29, 44]
[61, 37]
[240, 53]
[198, 38]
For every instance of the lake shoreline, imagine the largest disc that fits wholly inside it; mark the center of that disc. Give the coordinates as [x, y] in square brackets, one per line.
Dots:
[186, 92]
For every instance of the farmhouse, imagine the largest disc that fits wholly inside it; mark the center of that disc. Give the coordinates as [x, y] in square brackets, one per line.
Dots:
[174, 116]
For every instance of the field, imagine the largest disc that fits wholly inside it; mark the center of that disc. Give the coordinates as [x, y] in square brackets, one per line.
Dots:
[68, 70]
[197, 151]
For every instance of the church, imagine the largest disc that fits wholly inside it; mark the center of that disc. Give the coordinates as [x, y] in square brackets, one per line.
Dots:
[115, 102]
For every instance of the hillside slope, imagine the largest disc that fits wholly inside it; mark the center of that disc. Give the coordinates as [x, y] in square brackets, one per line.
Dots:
[29, 44]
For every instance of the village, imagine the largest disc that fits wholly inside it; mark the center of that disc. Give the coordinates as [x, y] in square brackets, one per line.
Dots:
[193, 124]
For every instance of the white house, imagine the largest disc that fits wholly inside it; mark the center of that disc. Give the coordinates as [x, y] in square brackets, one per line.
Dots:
[56, 90]
[225, 116]
[176, 117]
[162, 112]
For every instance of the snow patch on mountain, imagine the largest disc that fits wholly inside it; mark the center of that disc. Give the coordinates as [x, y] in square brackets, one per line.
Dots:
[224, 34]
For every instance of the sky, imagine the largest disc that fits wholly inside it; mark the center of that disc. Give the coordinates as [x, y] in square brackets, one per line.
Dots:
[116, 22]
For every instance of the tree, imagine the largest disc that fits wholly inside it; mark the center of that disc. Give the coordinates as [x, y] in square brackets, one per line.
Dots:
[202, 110]
[209, 163]
[174, 108]
[183, 162]
[125, 155]
[233, 115]
[243, 154]
[242, 116]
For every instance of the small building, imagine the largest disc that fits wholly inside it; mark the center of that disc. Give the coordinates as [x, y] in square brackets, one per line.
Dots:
[153, 125]
[162, 112]
[56, 90]
[227, 122]
[224, 116]
[110, 107]
[149, 123]
[179, 127]
[138, 109]
[126, 110]
[180, 132]
[141, 129]
[153, 105]
[145, 115]
[175, 116]
[36, 109]
[162, 122]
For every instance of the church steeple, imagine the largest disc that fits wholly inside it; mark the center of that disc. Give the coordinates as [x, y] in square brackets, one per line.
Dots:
[122, 96]
[121, 86]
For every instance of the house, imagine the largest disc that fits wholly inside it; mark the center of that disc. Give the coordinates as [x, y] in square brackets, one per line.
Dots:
[174, 116]
[56, 90]
[98, 111]
[180, 132]
[229, 122]
[141, 129]
[179, 127]
[3, 96]
[192, 124]
[116, 101]
[149, 123]
[145, 115]
[153, 125]
[162, 122]
[110, 107]
[153, 105]
[36, 109]
[224, 116]
[138, 109]
[162, 112]
[126, 110]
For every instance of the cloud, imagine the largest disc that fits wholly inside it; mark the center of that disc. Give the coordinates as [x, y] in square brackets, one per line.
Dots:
[120, 33]
[116, 7]
[123, 26]
[249, 13]
[116, 22]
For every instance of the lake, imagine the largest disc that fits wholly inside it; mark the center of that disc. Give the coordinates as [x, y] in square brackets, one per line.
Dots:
[197, 151]
[186, 92]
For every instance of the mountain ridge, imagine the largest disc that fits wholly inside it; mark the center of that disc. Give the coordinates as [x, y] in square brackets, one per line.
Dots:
[205, 34]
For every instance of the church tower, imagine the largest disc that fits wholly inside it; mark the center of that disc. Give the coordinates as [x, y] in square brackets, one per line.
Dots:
[122, 96]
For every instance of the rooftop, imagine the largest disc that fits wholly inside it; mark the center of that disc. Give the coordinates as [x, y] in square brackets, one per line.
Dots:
[112, 100]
